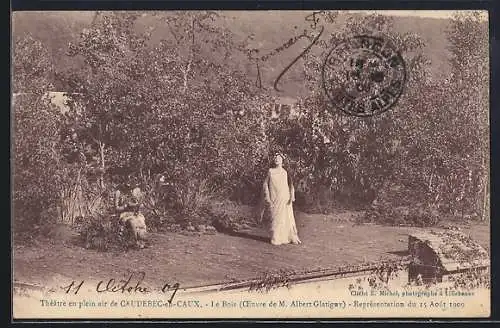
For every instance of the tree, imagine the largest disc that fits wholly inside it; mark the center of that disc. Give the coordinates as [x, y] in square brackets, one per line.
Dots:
[147, 107]
[347, 154]
[196, 42]
[219, 137]
[468, 37]
[108, 94]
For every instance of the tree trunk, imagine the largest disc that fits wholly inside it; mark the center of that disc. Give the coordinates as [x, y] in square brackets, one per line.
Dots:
[185, 73]
[79, 196]
[259, 80]
[103, 165]
[485, 199]
[187, 69]
[485, 185]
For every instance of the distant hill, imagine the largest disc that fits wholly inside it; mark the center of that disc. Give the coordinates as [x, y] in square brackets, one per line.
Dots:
[55, 29]
[269, 30]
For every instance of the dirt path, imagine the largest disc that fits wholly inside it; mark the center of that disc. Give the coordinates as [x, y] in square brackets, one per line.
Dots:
[328, 241]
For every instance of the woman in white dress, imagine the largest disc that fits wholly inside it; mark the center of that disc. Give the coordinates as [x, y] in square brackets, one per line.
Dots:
[279, 193]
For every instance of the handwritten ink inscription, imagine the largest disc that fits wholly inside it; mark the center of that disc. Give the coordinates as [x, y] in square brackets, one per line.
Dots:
[314, 39]
[133, 284]
[314, 19]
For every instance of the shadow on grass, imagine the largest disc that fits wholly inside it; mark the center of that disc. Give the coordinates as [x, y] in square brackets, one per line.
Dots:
[400, 253]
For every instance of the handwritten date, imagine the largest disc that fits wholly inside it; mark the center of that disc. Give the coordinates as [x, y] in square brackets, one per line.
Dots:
[132, 284]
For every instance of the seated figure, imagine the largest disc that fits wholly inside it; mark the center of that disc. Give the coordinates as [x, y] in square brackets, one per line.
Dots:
[128, 203]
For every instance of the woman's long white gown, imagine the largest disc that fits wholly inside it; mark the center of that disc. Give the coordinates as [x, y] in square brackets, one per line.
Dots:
[283, 228]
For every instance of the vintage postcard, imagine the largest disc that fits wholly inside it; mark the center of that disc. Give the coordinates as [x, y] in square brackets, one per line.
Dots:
[250, 164]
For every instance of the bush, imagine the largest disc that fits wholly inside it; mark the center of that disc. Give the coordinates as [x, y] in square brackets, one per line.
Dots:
[397, 204]
[158, 203]
[224, 223]
[103, 233]
[182, 202]
[418, 215]
[36, 158]
[229, 217]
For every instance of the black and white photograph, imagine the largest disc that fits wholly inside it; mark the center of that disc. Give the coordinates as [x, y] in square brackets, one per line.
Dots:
[250, 164]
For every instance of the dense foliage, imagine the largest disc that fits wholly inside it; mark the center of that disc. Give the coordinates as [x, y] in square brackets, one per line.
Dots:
[36, 153]
[177, 108]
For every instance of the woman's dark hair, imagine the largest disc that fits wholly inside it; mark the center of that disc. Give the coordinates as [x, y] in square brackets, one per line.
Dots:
[279, 154]
[289, 174]
[274, 156]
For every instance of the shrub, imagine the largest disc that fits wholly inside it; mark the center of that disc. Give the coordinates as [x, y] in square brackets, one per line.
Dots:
[158, 203]
[103, 233]
[419, 215]
[228, 217]
[37, 163]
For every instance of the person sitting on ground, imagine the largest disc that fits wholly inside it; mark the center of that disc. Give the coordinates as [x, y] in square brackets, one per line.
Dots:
[128, 202]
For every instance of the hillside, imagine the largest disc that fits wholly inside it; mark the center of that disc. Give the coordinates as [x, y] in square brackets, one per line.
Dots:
[56, 29]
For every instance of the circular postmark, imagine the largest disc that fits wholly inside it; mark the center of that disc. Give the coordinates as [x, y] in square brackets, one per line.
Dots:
[364, 75]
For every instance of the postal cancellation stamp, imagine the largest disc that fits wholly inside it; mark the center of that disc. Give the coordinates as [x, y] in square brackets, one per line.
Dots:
[364, 75]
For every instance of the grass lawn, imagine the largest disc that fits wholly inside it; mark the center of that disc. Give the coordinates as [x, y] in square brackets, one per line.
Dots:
[328, 241]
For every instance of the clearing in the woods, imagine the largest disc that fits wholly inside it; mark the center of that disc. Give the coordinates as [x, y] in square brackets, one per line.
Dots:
[328, 241]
